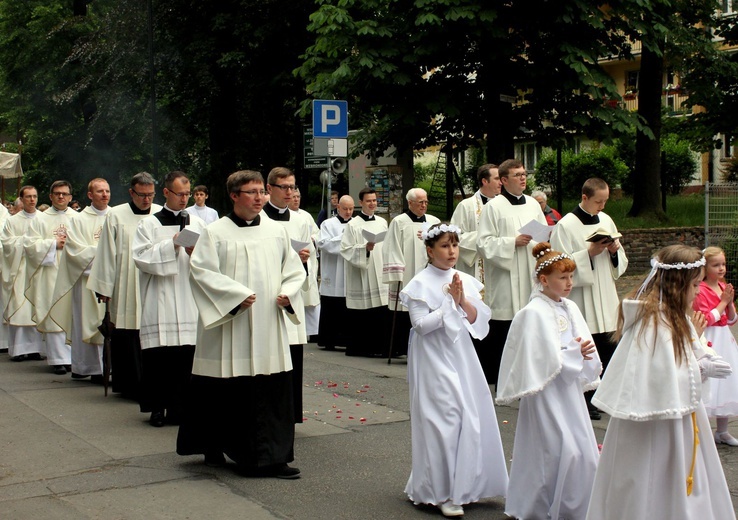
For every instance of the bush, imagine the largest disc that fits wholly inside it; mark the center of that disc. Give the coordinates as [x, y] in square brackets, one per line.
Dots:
[677, 168]
[601, 162]
[729, 170]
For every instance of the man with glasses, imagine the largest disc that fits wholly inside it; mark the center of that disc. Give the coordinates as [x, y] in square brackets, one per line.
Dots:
[43, 247]
[24, 341]
[246, 281]
[168, 311]
[115, 279]
[281, 187]
[508, 258]
[81, 319]
[403, 256]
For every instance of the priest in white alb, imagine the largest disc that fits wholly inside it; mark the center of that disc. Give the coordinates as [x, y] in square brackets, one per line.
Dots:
[335, 327]
[81, 319]
[114, 278]
[508, 263]
[312, 312]
[466, 217]
[366, 295]
[403, 257]
[24, 341]
[281, 186]
[599, 264]
[4, 215]
[246, 281]
[43, 244]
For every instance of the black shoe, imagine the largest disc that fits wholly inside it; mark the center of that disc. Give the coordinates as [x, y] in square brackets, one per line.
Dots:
[60, 370]
[22, 357]
[157, 419]
[595, 415]
[215, 459]
[34, 357]
[97, 379]
[78, 376]
[282, 471]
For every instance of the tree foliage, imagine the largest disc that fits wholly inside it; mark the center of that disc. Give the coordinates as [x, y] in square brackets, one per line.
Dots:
[436, 72]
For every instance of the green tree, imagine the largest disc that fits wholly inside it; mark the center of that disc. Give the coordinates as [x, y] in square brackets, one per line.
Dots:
[436, 73]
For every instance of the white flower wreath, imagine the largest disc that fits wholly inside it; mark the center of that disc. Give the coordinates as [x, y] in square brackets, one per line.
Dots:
[443, 228]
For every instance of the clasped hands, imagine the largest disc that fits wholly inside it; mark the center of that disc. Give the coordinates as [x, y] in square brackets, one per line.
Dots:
[282, 301]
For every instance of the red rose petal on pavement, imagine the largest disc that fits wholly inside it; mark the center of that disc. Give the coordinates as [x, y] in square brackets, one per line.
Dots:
[358, 404]
[338, 416]
[339, 411]
[335, 395]
[317, 383]
[362, 419]
[367, 386]
[350, 417]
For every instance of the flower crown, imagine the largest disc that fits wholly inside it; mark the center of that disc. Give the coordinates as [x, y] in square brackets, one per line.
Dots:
[549, 261]
[443, 228]
[656, 265]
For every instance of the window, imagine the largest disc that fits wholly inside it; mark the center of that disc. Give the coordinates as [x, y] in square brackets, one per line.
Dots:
[631, 80]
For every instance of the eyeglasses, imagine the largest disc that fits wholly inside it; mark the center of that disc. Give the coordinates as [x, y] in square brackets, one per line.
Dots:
[186, 194]
[285, 187]
[518, 175]
[253, 193]
[60, 194]
[143, 195]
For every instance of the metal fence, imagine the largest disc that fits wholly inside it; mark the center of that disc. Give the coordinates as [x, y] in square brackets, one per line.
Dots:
[721, 223]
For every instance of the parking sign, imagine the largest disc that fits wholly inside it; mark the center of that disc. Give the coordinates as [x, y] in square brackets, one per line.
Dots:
[330, 118]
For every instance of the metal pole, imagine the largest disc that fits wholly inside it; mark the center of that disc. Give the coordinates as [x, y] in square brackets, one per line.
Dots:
[707, 213]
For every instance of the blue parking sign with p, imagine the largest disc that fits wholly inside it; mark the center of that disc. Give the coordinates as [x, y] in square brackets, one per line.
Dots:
[330, 118]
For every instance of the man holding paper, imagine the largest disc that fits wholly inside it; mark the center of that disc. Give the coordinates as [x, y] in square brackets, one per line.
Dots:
[334, 324]
[281, 187]
[599, 264]
[508, 261]
[168, 311]
[466, 217]
[366, 295]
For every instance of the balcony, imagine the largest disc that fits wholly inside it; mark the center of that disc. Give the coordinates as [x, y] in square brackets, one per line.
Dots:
[672, 99]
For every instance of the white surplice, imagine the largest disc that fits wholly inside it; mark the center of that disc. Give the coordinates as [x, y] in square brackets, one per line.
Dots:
[555, 452]
[456, 447]
[114, 273]
[648, 448]
[403, 255]
[508, 270]
[80, 320]
[228, 265]
[332, 270]
[364, 287]
[168, 311]
[594, 289]
[466, 217]
[4, 215]
[312, 311]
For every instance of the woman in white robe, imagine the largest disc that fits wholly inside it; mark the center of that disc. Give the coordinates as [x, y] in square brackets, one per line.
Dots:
[457, 455]
[658, 457]
[548, 362]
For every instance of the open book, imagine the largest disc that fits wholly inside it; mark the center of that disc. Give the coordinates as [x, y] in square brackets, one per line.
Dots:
[187, 238]
[603, 234]
[373, 237]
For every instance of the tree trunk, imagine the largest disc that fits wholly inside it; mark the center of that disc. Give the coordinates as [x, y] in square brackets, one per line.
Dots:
[647, 182]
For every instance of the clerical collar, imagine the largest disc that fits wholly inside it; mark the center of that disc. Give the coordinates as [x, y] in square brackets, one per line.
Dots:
[586, 218]
[244, 223]
[515, 200]
[366, 217]
[167, 217]
[170, 210]
[275, 213]
[414, 217]
[138, 211]
[100, 212]
[485, 200]
[342, 221]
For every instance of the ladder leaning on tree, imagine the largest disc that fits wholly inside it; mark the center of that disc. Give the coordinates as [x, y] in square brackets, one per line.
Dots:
[445, 177]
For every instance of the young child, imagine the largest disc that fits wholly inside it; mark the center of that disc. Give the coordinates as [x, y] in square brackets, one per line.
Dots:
[658, 458]
[548, 362]
[200, 194]
[456, 447]
[715, 301]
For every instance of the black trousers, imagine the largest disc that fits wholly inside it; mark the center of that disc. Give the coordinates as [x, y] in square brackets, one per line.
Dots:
[125, 361]
[489, 349]
[166, 372]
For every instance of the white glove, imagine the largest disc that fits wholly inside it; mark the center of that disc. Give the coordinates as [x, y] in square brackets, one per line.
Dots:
[715, 367]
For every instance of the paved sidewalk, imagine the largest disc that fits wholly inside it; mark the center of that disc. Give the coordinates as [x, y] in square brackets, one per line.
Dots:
[68, 452]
